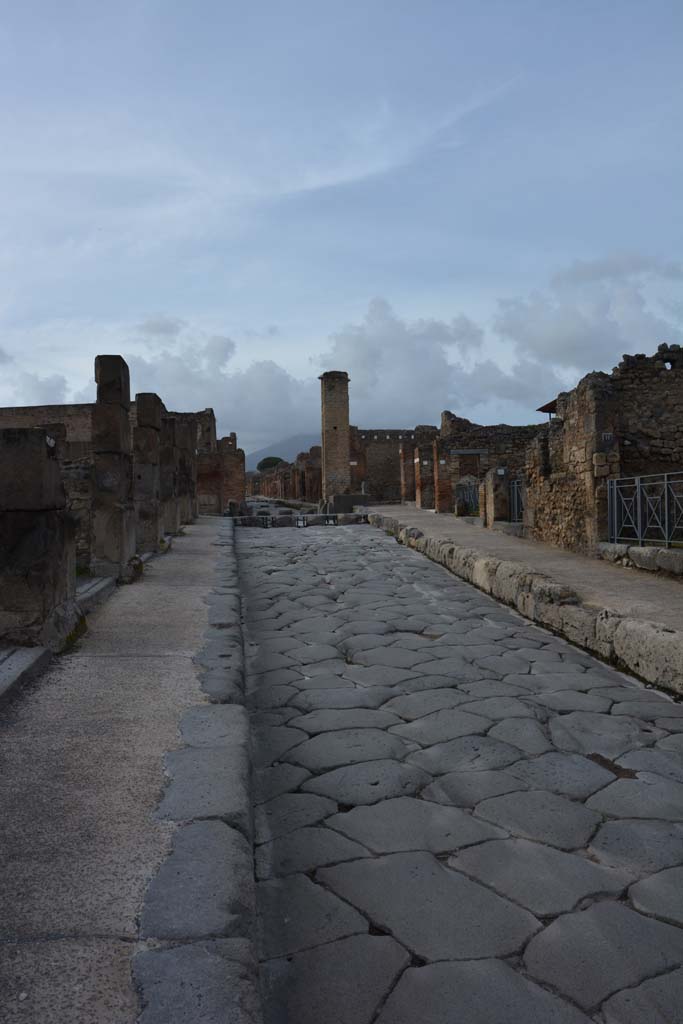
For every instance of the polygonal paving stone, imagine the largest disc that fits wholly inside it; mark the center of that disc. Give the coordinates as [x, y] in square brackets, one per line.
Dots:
[486, 688]
[505, 663]
[378, 675]
[278, 677]
[279, 779]
[409, 824]
[345, 718]
[368, 783]
[329, 667]
[365, 642]
[661, 895]
[502, 707]
[469, 753]
[656, 762]
[638, 847]
[589, 733]
[524, 733]
[440, 914]
[288, 812]
[295, 914]
[648, 796]
[356, 627]
[271, 696]
[543, 816]
[573, 700]
[622, 693]
[268, 744]
[591, 954]
[417, 705]
[347, 746]
[457, 669]
[649, 710]
[395, 657]
[673, 743]
[340, 983]
[313, 653]
[570, 774]
[303, 850]
[343, 697]
[538, 877]
[480, 992]
[466, 789]
[657, 1001]
[542, 680]
[447, 724]
[324, 682]
[272, 717]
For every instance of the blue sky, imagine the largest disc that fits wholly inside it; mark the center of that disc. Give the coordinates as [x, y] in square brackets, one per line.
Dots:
[465, 205]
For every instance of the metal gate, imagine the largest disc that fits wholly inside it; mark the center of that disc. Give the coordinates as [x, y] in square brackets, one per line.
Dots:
[646, 510]
[516, 501]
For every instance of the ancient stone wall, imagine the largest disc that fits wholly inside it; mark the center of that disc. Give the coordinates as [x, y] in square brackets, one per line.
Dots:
[334, 392]
[300, 480]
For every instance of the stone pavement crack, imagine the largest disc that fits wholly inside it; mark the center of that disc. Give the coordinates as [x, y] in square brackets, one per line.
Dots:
[458, 813]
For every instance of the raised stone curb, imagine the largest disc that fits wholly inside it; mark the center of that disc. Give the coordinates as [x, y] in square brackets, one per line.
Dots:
[19, 664]
[646, 649]
[200, 905]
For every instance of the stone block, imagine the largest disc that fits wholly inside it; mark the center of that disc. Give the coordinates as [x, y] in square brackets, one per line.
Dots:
[149, 410]
[644, 558]
[110, 428]
[113, 381]
[30, 478]
[670, 560]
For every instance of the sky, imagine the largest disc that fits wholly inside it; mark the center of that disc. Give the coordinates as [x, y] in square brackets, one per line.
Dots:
[465, 205]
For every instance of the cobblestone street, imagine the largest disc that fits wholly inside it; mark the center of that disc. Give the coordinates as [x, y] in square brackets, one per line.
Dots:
[460, 819]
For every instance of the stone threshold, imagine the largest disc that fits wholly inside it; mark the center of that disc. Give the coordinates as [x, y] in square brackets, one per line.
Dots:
[648, 650]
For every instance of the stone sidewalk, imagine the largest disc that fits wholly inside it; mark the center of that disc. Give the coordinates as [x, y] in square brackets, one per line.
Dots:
[626, 616]
[126, 890]
[459, 816]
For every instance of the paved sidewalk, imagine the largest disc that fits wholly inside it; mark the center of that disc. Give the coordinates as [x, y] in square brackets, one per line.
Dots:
[632, 593]
[94, 868]
[459, 817]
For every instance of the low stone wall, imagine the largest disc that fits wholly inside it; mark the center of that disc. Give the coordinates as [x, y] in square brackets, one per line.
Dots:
[645, 649]
[668, 561]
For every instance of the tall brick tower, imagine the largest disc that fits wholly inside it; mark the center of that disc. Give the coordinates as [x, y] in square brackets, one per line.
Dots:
[336, 473]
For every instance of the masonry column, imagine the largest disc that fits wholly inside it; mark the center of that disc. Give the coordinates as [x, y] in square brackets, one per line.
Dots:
[169, 476]
[424, 476]
[149, 527]
[37, 543]
[336, 472]
[113, 510]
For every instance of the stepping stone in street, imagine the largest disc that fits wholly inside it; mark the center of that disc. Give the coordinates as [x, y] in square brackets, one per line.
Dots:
[342, 982]
[369, 782]
[483, 991]
[409, 824]
[540, 878]
[347, 746]
[304, 850]
[440, 914]
[589, 955]
[543, 816]
[295, 913]
[466, 789]
[570, 774]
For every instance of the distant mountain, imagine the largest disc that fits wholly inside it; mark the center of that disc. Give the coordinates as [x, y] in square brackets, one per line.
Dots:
[287, 449]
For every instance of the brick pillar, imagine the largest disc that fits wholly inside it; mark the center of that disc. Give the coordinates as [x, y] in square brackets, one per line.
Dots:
[169, 476]
[113, 511]
[37, 543]
[443, 490]
[233, 472]
[336, 472]
[149, 527]
[424, 476]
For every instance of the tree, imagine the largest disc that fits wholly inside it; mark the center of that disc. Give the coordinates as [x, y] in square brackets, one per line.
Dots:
[269, 462]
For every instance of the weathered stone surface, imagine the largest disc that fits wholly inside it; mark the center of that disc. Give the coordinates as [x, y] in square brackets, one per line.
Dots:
[524, 733]
[326, 681]
[441, 915]
[368, 782]
[469, 753]
[395, 657]
[544, 880]
[344, 697]
[303, 850]
[447, 724]
[326, 720]
[591, 954]
[658, 707]
[480, 992]
[378, 675]
[203, 888]
[648, 796]
[347, 746]
[417, 705]
[574, 700]
[543, 816]
[409, 824]
[288, 812]
[296, 914]
[667, 763]
[589, 733]
[660, 895]
[639, 847]
[340, 983]
[571, 774]
[281, 778]
[271, 742]
[217, 975]
[208, 782]
[657, 1001]
[466, 789]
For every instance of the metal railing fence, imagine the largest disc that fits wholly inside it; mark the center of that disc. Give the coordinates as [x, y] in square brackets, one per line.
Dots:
[645, 510]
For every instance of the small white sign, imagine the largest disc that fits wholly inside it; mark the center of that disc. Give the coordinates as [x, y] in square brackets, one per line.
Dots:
[353, 463]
